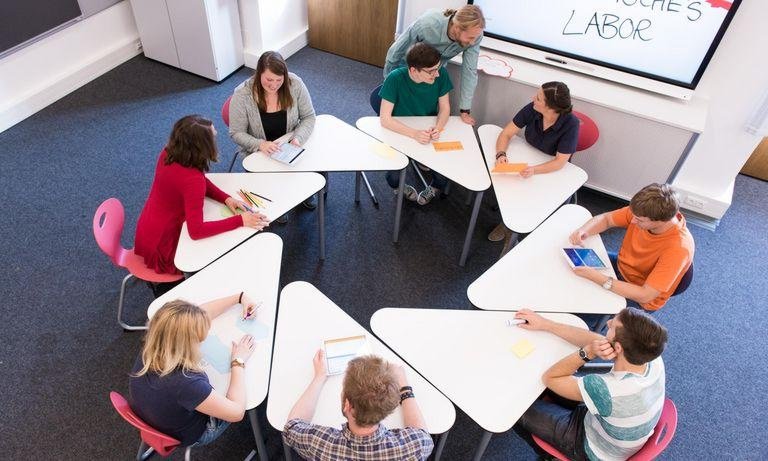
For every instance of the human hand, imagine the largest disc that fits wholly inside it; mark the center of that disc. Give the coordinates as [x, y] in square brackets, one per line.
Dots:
[244, 348]
[255, 220]
[577, 237]
[590, 273]
[295, 142]
[601, 348]
[249, 307]
[527, 173]
[399, 372]
[434, 133]
[320, 366]
[533, 321]
[234, 204]
[466, 118]
[269, 147]
[422, 136]
[501, 159]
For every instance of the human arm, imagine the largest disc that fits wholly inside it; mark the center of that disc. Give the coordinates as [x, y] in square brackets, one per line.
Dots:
[303, 101]
[642, 294]
[304, 408]
[574, 335]
[469, 75]
[216, 307]
[396, 52]
[194, 188]
[503, 140]
[596, 225]
[231, 407]
[547, 167]
[239, 106]
[390, 123]
[443, 112]
[412, 416]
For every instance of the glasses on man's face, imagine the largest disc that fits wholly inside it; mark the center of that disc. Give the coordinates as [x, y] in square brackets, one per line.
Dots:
[432, 72]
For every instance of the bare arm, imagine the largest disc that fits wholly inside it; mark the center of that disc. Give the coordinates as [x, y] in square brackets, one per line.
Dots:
[232, 406]
[304, 408]
[502, 142]
[596, 225]
[443, 111]
[642, 294]
[217, 307]
[574, 335]
[390, 123]
[412, 416]
[553, 165]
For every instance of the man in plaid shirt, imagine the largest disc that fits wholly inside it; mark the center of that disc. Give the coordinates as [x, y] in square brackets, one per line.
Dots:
[372, 389]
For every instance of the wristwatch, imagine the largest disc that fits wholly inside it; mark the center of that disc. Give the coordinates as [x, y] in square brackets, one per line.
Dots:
[583, 355]
[237, 362]
[608, 284]
[464, 111]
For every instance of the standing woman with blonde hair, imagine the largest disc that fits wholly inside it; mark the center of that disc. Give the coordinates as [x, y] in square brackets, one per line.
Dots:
[169, 389]
[451, 32]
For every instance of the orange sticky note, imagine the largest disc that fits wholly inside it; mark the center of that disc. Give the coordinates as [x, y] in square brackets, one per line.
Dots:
[447, 145]
[509, 168]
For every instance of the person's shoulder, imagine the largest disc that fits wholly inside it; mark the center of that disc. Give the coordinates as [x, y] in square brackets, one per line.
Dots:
[293, 78]
[571, 120]
[431, 16]
[244, 89]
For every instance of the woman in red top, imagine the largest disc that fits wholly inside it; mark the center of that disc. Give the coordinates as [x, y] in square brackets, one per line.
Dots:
[177, 195]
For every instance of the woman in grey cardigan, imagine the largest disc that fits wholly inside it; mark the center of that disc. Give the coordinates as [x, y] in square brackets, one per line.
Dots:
[266, 107]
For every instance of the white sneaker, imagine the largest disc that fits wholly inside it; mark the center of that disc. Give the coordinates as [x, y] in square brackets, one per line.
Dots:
[427, 195]
[409, 192]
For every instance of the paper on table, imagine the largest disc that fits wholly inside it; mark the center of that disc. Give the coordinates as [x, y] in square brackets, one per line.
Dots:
[338, 352]
[383, 150]
[514, 168]
[252, 327]
[522, 348]
[445, 146]
[216, 354]
[226, 212]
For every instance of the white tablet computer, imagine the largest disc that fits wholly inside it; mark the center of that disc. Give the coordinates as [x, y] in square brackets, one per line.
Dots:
[583, 257]
[339, 351]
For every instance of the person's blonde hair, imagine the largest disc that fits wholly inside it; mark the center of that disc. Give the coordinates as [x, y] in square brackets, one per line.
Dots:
[173, 339]
[371, 387]
[467, 17]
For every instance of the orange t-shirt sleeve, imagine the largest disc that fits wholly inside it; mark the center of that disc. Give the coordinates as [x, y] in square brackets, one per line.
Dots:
[668, 270]
[622, 216]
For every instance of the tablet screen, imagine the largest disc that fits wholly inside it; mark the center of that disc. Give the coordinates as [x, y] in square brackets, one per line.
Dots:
[584, 257]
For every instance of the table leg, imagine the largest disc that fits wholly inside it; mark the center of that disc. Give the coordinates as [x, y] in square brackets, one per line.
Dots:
[287, 452]
[370, 189]
[261, 449]
[321, 221]
[471, 228]
[509, 241]
[357, 187]
[440, 445]
[483, 445]
[399, 206]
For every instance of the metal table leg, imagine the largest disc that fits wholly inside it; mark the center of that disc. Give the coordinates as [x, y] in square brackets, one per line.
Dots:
[471, 228]
[261, 449]
[370, 189]
[483, 445]
[399, 206]
[321, 221]
[357, 187]
[509, 243]
[440, 445]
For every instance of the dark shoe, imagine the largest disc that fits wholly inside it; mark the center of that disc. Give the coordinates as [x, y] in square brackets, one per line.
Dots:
[282, 219]
[497, 234]
[309, 203]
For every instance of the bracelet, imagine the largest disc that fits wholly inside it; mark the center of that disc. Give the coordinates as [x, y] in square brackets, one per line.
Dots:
[464, 111]
[240, 299]
[406, 395]
[500, 154]
[405, 388]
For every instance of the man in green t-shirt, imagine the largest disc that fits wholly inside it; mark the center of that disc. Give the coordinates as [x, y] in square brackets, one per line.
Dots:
[421, 89]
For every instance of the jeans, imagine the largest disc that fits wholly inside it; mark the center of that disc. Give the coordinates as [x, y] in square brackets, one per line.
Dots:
[438, 181]
[213, 430]
[557, 424]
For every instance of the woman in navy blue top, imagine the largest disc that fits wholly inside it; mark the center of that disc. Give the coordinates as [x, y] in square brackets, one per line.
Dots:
[549, 127]
[169, 389]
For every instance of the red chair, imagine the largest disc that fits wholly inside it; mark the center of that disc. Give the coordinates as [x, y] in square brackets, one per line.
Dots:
[657, 443]
[225, 117]
[108, 228]
[152, 440]
[588, 132]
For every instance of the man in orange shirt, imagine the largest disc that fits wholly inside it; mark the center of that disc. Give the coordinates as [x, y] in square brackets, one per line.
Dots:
[656, 253]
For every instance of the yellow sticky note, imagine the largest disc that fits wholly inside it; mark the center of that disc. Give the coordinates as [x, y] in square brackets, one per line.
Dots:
[522, 348]
[226, 212]
[447, 145]
[383, 150]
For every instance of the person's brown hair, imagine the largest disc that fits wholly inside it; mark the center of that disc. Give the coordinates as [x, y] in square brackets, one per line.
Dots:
[642, 338]
[274, 62]
[422, 56]
[557, 96]
[467, 17]
[657, 202]
[173, 339]
[371, 388]
[192, 143]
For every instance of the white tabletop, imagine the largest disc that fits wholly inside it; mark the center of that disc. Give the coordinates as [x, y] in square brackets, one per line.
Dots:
[306, 318]
[468, 356]
[465, 167]
[525, 203]
[285, 190]
[334, 146]
[253, 267]
[535, 274]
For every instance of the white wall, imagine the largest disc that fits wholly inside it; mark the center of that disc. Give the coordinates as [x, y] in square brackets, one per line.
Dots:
[42, 73]
[279, 25]
[734, 81]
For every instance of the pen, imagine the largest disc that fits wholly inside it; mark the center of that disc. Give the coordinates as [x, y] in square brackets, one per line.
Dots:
[261, 196]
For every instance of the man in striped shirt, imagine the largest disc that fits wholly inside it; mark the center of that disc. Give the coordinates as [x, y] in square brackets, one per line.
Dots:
[372, 389]
[620, 408]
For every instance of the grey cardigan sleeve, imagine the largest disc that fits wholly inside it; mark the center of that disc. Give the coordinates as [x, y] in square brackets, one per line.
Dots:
[306, 112]
[245, 126]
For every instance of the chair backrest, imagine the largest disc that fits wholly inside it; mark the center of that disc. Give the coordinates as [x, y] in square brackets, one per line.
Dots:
[108, 228]
[685, 281]
[225, 110]
[662, 433]
[376, 100]
[162, 443]
[588, 132]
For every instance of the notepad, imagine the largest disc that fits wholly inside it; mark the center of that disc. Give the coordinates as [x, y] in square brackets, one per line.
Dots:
[216, 354]
[383, 150]
[227, 213]
[509, 168]
[522, 348]
[339, 351]
[446, 146]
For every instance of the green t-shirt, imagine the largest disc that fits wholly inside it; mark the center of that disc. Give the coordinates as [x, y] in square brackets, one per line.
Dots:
[411, 98]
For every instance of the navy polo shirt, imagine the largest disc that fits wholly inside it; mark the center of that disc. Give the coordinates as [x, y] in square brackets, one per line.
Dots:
[561, 137]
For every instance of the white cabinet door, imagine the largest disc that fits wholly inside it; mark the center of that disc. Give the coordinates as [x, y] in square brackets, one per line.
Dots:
[155, 30]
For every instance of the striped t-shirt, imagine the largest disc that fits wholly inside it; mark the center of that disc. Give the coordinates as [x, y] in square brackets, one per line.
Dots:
[623, 410]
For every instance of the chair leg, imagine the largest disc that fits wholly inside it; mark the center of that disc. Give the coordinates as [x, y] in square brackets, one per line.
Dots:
[120, 308]
[144, 452]
[370, 189]
[418, 173]
[188, 454]
[234, 159]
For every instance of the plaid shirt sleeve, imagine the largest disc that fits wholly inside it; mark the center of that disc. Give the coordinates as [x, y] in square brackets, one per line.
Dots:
[299, 435]
[418, 442]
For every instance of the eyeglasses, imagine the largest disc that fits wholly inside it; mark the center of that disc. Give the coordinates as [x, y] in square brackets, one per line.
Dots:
[432, 72]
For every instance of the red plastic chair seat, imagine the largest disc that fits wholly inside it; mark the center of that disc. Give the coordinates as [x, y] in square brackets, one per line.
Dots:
[588, 132]
[136, 266]
[162, 444]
